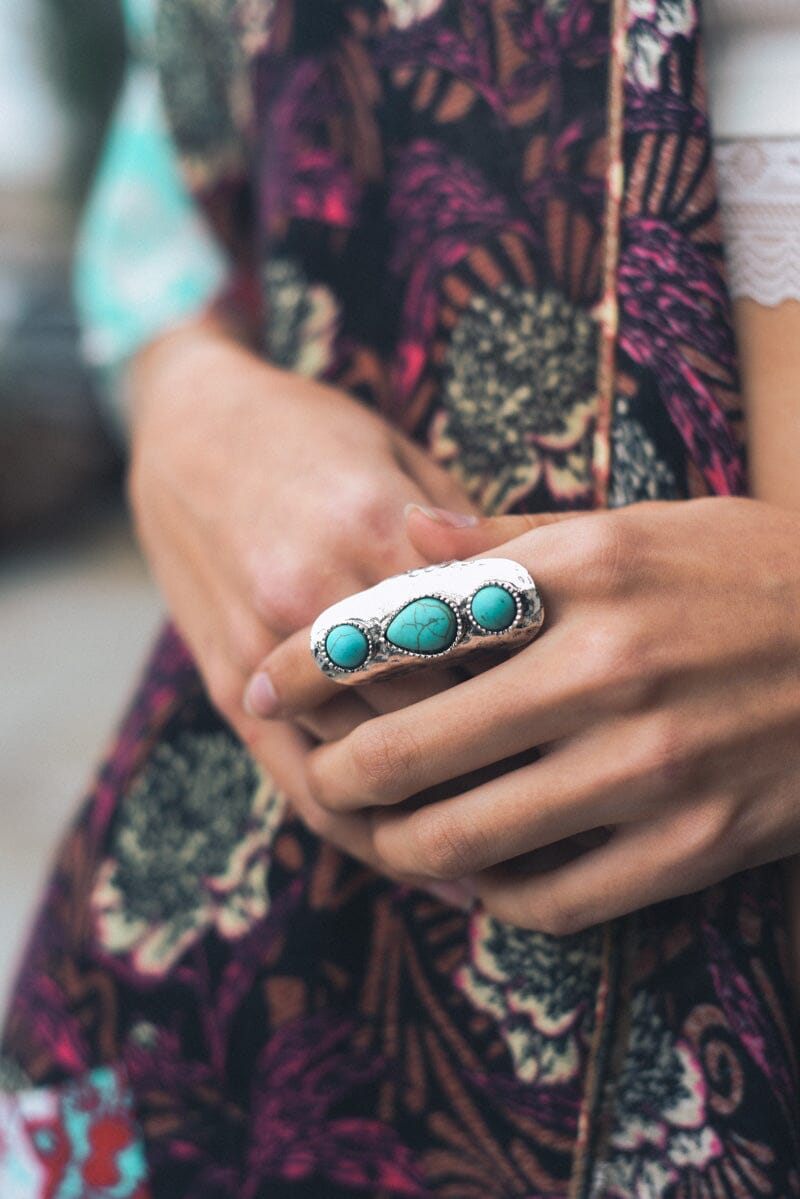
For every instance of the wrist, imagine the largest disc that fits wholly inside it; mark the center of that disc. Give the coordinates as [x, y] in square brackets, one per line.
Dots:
[192, 362]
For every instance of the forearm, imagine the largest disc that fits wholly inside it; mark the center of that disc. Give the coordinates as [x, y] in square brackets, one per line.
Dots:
[769, 344]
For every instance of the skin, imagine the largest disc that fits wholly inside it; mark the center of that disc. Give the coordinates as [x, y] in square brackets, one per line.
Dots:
[664, 693]
[245, 556]
[667, 699]
[769, 348]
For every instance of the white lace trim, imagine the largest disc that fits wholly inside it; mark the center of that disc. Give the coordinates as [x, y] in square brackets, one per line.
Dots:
[759, 192]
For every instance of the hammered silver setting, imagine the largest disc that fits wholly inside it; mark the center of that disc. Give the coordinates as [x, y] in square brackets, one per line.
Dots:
[453, 583]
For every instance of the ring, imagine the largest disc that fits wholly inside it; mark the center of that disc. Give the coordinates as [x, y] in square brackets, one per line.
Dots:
[427, 614]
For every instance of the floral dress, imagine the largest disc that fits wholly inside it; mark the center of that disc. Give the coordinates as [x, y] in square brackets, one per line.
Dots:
[495, 222]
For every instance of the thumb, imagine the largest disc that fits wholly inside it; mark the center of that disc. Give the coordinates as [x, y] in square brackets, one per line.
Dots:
[438, 534]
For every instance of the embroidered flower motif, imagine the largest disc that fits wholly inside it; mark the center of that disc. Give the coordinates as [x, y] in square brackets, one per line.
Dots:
[541, 991]
[637, 472]
[518, 397]
[654, 25]
[661, 1128]
[302, 319]
[304, 1075]
[75, 1140]
[407, 12]
[189, 852]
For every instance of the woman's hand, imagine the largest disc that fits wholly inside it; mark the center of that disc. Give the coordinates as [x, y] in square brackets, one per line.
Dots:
[261, 497]
[664, 692]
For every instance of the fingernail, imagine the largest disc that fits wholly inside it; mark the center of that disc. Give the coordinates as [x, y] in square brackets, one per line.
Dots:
[454, 893]
[442, 516]
[260, 698]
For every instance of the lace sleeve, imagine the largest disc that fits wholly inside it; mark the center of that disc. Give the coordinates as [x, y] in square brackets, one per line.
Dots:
[759, 191]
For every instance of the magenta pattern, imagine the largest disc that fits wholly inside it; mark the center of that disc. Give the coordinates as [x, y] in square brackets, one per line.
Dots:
[415, 198]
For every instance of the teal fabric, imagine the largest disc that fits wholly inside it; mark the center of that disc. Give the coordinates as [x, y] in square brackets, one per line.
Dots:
[145, 258]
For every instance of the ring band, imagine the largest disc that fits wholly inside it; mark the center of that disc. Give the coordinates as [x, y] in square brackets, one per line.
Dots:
[424, 615]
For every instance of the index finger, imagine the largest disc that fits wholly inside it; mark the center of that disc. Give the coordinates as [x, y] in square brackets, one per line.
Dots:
[289, 681]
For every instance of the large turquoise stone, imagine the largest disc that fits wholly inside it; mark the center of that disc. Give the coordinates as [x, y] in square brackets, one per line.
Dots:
[493, 608]
[347, 646]
[425, 626]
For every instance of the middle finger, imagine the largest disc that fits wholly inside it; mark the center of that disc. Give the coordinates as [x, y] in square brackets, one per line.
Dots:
[542, 694]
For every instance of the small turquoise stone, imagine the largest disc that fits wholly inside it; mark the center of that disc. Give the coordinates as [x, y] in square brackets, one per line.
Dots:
[425, 626]
[347, 646]
[493, 608]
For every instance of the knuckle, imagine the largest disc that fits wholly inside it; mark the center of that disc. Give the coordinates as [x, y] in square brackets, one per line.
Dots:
[611, 651]
[282, 590]
[317, 779]
[559, 918]
[443, 848]
[602, 549]
[315, 818]
[661, 748]
[358, 499]
[706, 832]
[385, 759]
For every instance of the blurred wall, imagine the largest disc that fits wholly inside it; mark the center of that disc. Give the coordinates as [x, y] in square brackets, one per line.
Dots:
[60, 66]
[77, 610]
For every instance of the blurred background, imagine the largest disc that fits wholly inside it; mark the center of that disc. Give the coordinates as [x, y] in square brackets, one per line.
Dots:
[77, 611]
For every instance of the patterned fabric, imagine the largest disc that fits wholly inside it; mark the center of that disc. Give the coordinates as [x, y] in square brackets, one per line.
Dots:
[494, 221]
[77, 1141]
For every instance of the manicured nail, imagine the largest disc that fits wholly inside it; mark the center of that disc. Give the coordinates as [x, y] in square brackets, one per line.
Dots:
[456, 520]
[260, 698]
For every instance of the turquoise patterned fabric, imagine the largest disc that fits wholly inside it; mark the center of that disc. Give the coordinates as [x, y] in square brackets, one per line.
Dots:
[145, 258]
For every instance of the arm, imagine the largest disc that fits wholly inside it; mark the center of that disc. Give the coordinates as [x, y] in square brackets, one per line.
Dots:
[219, 439]
[769, 345]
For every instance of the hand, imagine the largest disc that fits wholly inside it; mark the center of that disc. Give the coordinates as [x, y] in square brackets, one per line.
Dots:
[260, 497]
[664, 692]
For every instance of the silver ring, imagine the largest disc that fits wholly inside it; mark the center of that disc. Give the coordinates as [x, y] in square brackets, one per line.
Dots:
[427, 615]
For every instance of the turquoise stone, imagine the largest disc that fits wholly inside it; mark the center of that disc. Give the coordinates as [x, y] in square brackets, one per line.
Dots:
[425, 626]
[347, 646]
[493, 608]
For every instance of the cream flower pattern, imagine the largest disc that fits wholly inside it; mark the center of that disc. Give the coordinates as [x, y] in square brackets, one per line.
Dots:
[302, 319]
[654, 24]
[637, 470]
[518, 397]
[189, 852]
[661, 1131]
[540, 990]
[407, 12]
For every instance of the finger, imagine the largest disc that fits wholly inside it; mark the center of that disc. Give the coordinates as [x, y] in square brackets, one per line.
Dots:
[434, 535]
[560, 796]
[486, 718]
[282, 749]
[337, 718]
[289, 681]
[641, 864]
